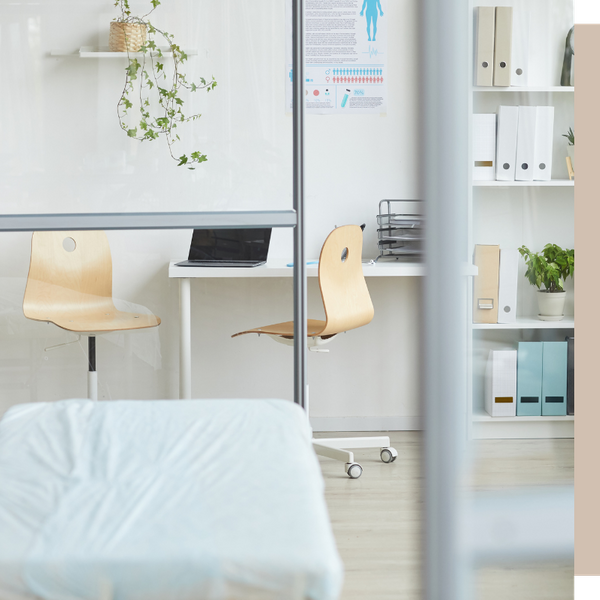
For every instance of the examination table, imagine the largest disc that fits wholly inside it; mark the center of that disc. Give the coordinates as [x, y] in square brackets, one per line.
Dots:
[158, 500]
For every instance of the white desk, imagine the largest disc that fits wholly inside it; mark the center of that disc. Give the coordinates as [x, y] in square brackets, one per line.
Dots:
[271, 269]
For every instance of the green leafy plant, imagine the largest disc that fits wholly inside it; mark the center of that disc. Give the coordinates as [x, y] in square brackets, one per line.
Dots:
[550, 267]
[570, 135]
[153, 89]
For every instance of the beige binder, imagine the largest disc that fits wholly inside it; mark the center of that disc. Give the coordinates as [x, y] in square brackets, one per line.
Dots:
[503, 46]
[485, 284]
[484, 45]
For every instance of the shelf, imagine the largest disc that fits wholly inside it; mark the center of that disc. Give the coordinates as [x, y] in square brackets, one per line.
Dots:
[481, 416]
[527, 90]
[529, 323]
[551, 183]
[104, 52]
[503, 428]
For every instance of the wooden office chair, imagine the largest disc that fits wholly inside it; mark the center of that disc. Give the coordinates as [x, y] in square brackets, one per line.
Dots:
[70, 284]
[347, 305]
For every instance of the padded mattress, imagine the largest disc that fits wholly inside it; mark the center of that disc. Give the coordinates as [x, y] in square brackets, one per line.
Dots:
[182, 499]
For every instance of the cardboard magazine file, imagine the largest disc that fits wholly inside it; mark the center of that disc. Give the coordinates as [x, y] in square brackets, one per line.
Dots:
[485, 284]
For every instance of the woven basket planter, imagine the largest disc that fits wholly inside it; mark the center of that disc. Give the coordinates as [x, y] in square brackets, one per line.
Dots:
[126, 37]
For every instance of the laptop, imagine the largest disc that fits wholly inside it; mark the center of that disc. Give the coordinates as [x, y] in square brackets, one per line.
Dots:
[228, 248]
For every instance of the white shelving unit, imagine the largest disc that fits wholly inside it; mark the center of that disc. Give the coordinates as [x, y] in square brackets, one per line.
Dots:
[515, 213]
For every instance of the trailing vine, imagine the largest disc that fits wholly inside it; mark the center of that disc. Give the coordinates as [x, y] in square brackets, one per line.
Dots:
[146, 77]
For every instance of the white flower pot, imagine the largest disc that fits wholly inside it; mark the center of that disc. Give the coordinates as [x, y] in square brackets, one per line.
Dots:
[552, 306]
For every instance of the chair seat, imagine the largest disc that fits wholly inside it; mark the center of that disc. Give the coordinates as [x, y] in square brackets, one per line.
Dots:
[83, 313]
[113, 320]
[286, 330]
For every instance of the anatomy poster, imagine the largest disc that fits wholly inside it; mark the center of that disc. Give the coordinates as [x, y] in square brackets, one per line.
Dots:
[345, 56]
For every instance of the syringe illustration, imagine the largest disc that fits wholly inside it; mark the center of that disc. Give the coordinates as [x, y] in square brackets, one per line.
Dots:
[345, 98]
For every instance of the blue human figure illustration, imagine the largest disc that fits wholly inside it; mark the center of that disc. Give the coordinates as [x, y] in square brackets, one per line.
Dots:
[371, 6]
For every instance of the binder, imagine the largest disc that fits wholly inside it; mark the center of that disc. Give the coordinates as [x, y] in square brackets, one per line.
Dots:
[570, 375]
[525, 143]
[501, 383]
[485, 284]
[484, 147]
[519, 74]
[554, 379]
[506, 146]
[484, 45]
[529, 379]
[507, 285]
[542, 148]
[503, 46]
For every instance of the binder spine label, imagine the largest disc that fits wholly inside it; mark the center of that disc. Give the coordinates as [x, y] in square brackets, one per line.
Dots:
[504, 400]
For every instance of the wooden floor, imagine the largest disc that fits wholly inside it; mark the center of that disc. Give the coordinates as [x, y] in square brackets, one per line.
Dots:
[377, 518]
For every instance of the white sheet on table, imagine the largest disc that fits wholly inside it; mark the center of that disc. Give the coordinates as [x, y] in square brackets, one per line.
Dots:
[182, 499]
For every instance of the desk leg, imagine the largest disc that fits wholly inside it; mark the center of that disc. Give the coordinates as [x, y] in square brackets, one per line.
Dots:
[185, 339]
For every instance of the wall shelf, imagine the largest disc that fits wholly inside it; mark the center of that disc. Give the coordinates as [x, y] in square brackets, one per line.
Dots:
[104, 52]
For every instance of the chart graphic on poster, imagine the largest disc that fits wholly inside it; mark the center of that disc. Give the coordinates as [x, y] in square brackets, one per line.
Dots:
[345, 56]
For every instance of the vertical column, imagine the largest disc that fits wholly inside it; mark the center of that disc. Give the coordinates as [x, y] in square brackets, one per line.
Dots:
[444, 181]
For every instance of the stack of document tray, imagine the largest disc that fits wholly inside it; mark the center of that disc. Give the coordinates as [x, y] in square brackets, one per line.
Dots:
[400, 226]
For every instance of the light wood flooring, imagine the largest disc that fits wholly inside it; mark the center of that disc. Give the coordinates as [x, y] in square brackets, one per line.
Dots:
[377, 518]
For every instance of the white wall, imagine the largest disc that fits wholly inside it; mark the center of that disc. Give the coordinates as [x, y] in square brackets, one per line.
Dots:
[61, 150]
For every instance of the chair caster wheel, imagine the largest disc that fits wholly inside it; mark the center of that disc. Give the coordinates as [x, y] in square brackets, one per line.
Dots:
[354, 470]
[389, 455]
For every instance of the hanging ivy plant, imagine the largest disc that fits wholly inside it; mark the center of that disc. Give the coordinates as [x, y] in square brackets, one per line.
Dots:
[151, 105]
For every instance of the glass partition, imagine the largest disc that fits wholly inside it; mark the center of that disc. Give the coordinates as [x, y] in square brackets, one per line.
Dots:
[64, 150]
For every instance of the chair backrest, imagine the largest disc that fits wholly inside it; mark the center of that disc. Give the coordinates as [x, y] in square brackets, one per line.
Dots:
[68, 271]
[344, 290]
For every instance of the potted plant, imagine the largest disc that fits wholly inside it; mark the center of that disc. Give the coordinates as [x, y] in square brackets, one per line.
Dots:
[570, 135]
[151, 105]
[549, 268]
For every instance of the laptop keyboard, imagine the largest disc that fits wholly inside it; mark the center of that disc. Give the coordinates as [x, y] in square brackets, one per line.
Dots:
[223, 263]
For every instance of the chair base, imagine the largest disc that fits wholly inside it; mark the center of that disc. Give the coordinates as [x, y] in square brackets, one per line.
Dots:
[337, 448]
[92, 385]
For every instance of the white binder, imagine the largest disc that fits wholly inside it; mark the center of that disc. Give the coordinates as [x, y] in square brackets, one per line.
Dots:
[503, 46]
[525, 143]
[484, 45]
[507, 285]
[544, 137]
[506, 147]
[484, 147]
[501, 383]
[519, 73]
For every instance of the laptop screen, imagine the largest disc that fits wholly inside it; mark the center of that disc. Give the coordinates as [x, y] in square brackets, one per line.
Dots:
[230, 244]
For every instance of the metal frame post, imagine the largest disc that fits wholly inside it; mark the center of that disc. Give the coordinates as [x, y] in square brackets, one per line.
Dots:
[300, 302]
